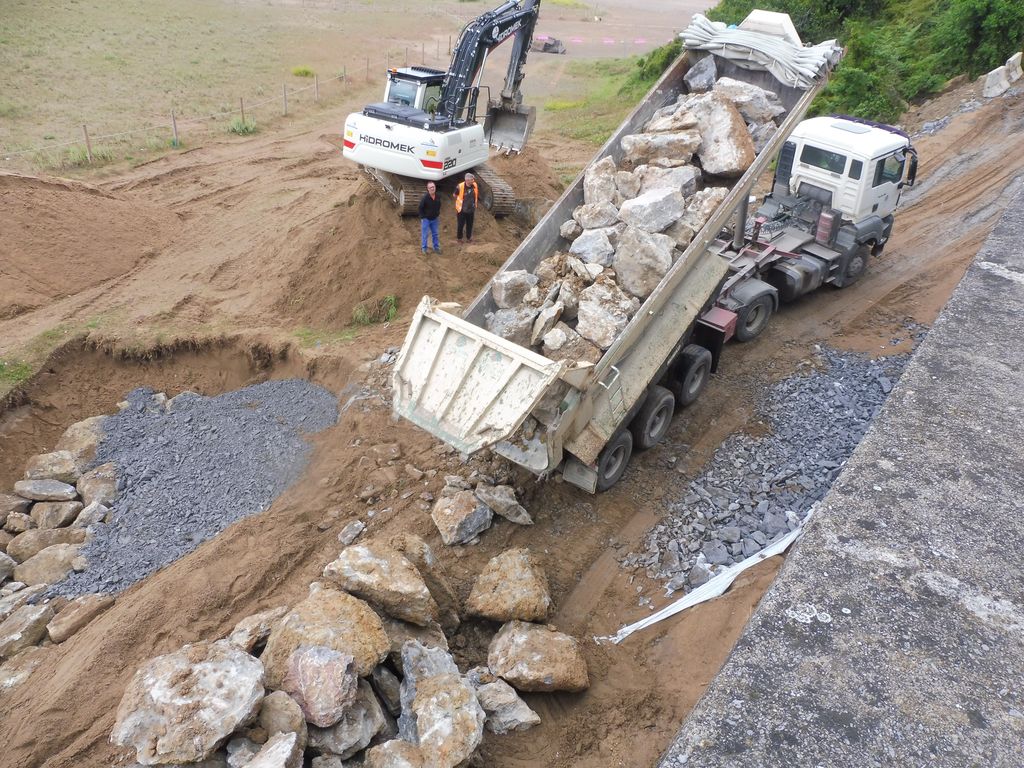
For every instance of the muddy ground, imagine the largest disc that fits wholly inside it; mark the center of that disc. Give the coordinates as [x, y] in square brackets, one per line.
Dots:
[277, 234]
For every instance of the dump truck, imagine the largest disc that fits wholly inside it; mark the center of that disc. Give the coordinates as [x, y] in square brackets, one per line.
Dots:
[835, 188]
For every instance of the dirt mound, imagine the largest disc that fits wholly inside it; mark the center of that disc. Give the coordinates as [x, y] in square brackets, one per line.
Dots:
[61, 237]
[368, 252]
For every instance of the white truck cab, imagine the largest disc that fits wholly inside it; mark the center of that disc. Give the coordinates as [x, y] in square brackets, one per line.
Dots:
[862, 166]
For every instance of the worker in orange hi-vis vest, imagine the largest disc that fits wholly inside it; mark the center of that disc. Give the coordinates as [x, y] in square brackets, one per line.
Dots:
[465, 206]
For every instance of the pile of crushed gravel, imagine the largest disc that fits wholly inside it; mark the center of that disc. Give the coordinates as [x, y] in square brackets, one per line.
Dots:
[757, 489]
[191, 467]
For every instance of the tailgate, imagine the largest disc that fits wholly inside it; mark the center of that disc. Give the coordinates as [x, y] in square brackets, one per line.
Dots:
[464, 384]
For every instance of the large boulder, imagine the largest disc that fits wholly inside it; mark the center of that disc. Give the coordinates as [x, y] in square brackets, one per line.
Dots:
[55, 514]
[25, 627]
[419, 662]
[502, 499]
[549, 315]
[361, 721]
[535, 657]
[681, 233]
[510, 288]
[599, 181]
[570, 230]
[7, 566]
[322, 681]
[59, 465]
[280, 713]
[726, 148]
[99, 485]
[604, 312]
[331, 619]
[684, 179]
[671, 119]
[178, 708]
[652, 211]
[701, 77]
[461, 517]
[281, 751]
[664, 149]
[642, 260]
[9, 504]
[76, 615]
[51, 564]
[387, 686]
[92, 514]
[396, 753]
[505, 710]
[593, 247]
[595, 215]
[511, 586]
[419, 553]
[30, 543]
[18, 522]
[82, 439]
[255, 629]
[10, 603]
[45, 490]
[761, 134]
[702, 205]
[450, 720]
[627, 183]
[755, 104]
[383, 576]
[516, 325]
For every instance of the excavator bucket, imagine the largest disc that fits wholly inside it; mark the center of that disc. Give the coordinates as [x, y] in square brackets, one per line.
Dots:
[507, 128]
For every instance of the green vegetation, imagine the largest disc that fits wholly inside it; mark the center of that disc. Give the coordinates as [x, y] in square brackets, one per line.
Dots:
[614, 86]
[382, 310]
[568, 3]
[897, 50]
[245, 127]
[13, 373]
[303, 71]
[311, 337]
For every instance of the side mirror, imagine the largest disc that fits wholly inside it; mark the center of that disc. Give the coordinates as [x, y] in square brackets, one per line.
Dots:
[912, 170]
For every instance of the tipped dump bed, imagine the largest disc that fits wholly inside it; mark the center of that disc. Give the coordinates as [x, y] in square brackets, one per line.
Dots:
[593, 400]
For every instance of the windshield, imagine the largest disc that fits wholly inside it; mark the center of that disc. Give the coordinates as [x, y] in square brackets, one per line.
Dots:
[822, 158]
[402, 92]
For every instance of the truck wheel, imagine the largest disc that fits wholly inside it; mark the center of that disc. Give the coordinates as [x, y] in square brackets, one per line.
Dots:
[753, 318]
[693, 373]
[856, 266]
[652, 422]
[611, 463]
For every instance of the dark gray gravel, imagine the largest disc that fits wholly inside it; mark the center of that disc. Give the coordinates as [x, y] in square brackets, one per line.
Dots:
[756, 489]
[189, 469]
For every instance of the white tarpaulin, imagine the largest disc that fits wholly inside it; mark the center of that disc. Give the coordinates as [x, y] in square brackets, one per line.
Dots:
[791, 64]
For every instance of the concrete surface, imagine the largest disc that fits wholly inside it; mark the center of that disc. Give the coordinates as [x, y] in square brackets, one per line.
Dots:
[894, 634]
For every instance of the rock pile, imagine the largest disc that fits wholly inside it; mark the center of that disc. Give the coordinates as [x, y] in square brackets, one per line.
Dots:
[635, 221]
[462, 513]
[357, 673]
[45, 523]
[757, 489]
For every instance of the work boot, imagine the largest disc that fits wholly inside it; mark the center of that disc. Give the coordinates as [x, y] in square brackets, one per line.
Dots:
[436, 250]
[424, 251]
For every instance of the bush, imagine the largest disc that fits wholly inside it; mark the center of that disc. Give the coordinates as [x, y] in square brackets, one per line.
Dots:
[650, 67]
[242, 127]
[382, 310]
[303, 71]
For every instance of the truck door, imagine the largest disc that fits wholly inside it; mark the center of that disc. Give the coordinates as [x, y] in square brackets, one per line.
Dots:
[887, 173]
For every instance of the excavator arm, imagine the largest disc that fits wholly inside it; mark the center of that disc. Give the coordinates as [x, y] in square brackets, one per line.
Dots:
[507, 123]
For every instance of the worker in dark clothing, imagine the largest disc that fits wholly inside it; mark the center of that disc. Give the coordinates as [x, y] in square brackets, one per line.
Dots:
[430, 210]
[467, 194]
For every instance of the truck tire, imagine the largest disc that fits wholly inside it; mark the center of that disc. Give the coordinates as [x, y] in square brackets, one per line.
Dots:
[692, 374]
[655, 417]
[855, 266]
[612, 461]
[753, 317]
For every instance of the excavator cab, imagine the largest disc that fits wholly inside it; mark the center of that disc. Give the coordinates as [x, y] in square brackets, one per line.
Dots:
[416, 87]
[507, 126]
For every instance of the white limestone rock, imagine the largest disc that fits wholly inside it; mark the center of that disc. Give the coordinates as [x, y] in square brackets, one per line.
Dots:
[651, 212]
[642, 260]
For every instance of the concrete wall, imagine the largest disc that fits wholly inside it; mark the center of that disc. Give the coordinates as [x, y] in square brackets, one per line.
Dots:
[894, 634]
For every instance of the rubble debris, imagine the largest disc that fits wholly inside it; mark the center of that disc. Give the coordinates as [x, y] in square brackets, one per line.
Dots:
[502, 500]
[461, 517]
[570, 230]
[351, 532]
[511, 586]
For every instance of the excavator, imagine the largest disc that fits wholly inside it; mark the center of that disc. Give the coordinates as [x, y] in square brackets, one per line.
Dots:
[426, 129]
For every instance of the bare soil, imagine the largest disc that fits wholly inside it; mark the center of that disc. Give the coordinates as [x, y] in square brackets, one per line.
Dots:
[254, 255]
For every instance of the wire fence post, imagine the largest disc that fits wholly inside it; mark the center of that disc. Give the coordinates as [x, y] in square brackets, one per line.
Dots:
[449, 45]
[316, 88]
[407, 55]
[88, 144]
[438, 54]
[241, 107]
[367, 69]
[387, 60]
[344, 73]
[174, 130]
[284, 94]
[423, 53]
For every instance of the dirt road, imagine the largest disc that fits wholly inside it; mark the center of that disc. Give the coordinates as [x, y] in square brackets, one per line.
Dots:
[280, 217]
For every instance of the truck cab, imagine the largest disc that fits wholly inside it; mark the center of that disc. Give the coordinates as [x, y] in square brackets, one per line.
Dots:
[854, 166]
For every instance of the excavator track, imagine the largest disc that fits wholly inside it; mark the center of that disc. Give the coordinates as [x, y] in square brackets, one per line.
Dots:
[406, 192]
[497, 195]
